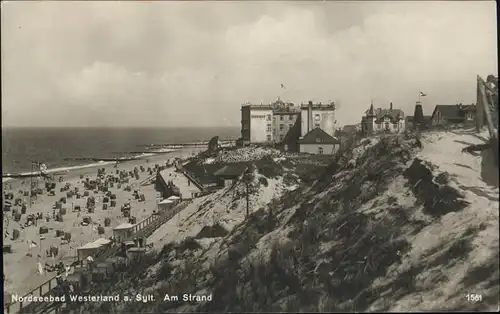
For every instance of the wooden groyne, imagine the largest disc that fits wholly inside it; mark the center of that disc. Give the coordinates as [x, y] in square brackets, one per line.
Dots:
[143, 229]
[181, 145]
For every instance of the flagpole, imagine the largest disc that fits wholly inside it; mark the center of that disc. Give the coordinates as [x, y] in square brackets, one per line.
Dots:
[31, 182]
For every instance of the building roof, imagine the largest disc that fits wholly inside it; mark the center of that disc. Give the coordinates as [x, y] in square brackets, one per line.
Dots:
[102, 241]
[166, 201]
[350, 128]
[330, 106]
[258, 107]
[124, 226]
[173, 198]
[318, 136]
[95, 244]
[453, 111]
[278, 107]
[89, 246]
[231, 170]
[393, 114]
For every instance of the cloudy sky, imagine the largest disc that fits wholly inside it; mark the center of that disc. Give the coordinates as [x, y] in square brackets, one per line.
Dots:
[194, 64]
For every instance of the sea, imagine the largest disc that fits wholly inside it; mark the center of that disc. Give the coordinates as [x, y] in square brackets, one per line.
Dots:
[57, 148]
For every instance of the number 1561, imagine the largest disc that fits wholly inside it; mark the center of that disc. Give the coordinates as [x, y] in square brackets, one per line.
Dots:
[472, 297]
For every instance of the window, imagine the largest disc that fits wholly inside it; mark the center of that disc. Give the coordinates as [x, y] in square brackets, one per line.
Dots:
[269, 137]
[469, 116]
[317, 117]
[282, 126]
[281, 137]
[269, 129]
[320, 150]
[387, 126]
[281, 118]
[290, 117]
[316, 125]
[268, 117]
[318, 140]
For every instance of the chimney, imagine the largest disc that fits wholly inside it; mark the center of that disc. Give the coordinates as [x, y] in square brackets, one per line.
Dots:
[309, 117]
[391, 106]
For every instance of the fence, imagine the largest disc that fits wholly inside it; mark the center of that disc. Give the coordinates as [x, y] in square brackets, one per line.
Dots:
[143, 229]
[487, 105]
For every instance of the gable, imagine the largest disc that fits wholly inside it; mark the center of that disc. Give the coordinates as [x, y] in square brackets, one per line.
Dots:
[318, 136]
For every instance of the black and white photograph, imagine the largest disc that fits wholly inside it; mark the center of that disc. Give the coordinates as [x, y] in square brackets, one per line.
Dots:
[249, 156]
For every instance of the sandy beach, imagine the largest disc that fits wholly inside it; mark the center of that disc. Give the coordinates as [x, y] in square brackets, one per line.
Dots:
[21, 273]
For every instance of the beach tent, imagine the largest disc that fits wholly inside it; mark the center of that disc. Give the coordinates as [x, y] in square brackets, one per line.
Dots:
[91, 248]
[123, 231]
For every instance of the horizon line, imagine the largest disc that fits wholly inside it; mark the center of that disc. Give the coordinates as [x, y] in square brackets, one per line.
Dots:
[112, 127]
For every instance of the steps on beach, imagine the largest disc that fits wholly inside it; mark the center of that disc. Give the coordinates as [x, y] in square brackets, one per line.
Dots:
[145, 232]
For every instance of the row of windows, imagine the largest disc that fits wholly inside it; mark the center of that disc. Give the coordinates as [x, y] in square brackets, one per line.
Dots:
[282, 126]
[283, 117]
[317, 117]
[269, 137]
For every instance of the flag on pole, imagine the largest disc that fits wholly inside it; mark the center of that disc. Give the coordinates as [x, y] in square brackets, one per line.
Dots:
[283, 86]
[42, 167]
[422, 94]
[32, 244]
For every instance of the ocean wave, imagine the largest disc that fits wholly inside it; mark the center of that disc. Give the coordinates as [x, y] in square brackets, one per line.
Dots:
[96, 163]
[61, 169]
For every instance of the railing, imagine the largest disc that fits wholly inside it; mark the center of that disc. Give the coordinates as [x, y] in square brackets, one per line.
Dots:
[143, 229]
[194, 181]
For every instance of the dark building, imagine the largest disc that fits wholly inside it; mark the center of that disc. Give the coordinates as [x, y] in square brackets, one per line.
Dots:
[418, 120]
[453, 114]
[229, 174]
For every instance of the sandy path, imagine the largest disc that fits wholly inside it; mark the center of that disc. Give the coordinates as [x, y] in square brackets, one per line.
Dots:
[20, 270]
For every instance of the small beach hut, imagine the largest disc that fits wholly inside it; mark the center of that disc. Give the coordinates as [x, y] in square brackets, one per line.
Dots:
[175, 199]
[165, 204]
[136, 253]
[87, 250]
[91, 248]
[103, 242]
[123, 231]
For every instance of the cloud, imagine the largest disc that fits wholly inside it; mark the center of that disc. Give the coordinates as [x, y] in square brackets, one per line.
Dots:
[173, 63]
